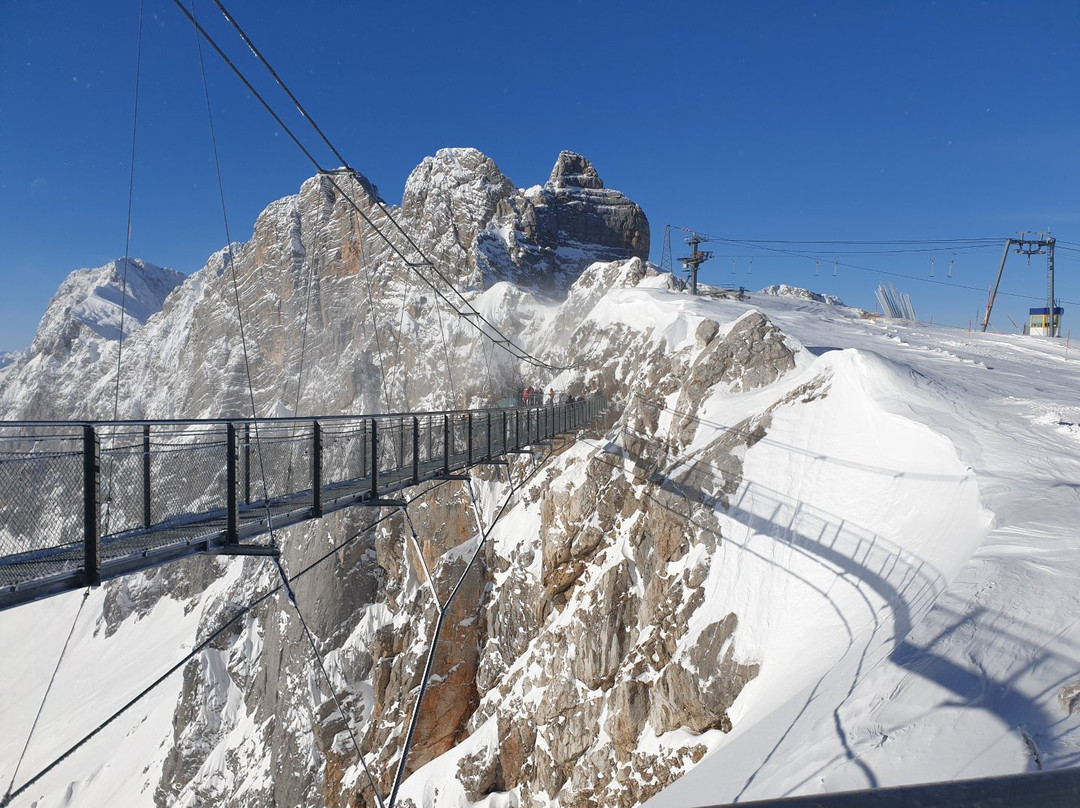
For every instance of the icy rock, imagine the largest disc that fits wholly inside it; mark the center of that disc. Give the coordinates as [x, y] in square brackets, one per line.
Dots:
[784, 290]
[573, 171]
[1069, 698]
[698, 693]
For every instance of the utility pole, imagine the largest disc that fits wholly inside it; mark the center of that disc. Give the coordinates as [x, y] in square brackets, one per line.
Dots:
[1039, 244]
[695, 259]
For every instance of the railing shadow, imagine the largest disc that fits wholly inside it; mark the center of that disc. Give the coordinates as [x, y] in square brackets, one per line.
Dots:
[907, 585]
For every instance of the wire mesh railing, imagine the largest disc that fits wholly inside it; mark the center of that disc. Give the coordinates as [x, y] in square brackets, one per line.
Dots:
[81, 502]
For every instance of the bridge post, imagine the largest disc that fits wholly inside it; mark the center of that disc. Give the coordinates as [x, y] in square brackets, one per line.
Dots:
[91, 480]
[374, 459]
[446, 445]
[502, 446]
[415, 450]
[247, 463]
[232, 508]
[147, 513]
[363, 448]
[430, 438]
[468, 452]
[487, 418]
[517, 430]
[316, 470]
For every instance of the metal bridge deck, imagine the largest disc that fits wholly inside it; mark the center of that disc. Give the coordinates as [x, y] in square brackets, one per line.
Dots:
[84, 502]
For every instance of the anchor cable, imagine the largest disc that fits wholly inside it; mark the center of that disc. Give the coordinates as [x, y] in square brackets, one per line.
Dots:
[196, 650]
[467, 310]
[41, 707]
[326, 675]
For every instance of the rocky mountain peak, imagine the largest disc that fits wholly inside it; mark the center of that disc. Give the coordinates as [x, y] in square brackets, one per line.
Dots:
[90, 302]
[573, 171]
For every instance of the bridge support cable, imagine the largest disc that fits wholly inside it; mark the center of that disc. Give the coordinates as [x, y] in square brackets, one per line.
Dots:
[45, 697]
[286, 585]
[230, 264]
[326, 140]
[316, 505]
[127, 244]
[354, 228]
[199, 648]
[436, 479]
[196, 650]
[130, 207]
[466, 308]
[442, 607]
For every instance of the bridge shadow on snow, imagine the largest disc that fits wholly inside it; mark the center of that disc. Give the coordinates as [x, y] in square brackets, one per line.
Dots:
[868, 563]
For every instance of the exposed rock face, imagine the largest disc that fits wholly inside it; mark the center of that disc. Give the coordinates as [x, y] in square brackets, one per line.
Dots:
[557, 230]
[591, 620]
[485, 230]
[581, 632]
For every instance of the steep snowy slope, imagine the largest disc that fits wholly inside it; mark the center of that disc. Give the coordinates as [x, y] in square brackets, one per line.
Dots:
[983, 682]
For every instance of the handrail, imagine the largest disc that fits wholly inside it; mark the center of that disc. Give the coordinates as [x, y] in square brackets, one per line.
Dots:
[288, 419]
[93, 500]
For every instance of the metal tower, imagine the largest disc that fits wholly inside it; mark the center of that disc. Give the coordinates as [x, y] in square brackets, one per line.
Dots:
[1040, 243]
[695, 259]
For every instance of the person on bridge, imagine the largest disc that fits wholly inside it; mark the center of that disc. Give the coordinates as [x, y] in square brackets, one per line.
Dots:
[551, 396]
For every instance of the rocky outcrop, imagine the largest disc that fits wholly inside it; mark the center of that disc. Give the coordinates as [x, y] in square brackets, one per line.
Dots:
[483, 230]
[595, 640]
[558, 230]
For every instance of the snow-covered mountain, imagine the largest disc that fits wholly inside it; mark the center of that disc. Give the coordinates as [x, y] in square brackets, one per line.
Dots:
[79, 335]
[802, 551]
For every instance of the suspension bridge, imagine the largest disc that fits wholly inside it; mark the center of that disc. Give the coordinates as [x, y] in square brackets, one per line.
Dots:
[84, 502]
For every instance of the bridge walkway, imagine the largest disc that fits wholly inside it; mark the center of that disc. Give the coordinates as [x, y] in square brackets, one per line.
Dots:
[83, 502]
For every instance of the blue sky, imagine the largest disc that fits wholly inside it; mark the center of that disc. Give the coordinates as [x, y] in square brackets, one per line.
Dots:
[749, 121]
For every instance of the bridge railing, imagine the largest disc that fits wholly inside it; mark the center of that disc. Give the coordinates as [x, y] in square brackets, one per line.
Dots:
[85, 501]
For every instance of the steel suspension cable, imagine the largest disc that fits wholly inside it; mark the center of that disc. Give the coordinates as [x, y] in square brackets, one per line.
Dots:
[8, 795]
[127, 257]
[130, 206]
[442, 610]
[405, 292]
[229, 263]
[217, 632]
[198, 648]
[471, 314]
[446, 357]
[326, 675]
[307, 310]
[374, 318]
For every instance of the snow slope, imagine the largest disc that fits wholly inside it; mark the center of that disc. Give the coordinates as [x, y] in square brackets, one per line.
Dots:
[954, 661]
